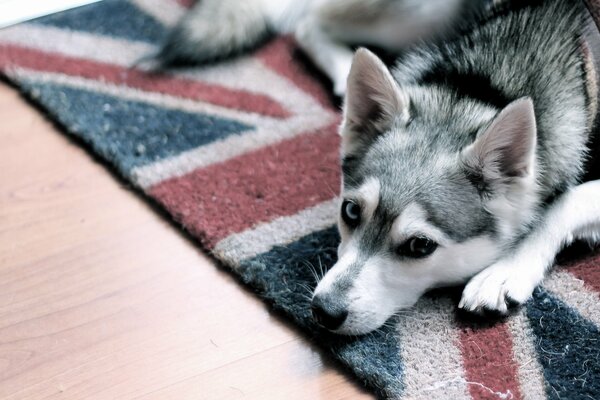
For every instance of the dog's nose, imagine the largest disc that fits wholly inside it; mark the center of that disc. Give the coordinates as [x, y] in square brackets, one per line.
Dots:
[328, 316]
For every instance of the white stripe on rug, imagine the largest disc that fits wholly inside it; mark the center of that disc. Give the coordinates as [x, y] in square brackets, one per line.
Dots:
[250, 74]
[566, 287]
[279, 232]
[433, 365]
[167, 12]
[242, 73]
[85, 45]
[268, 130]
[530, 375]
[149, 97]
[245, 73]
[220, 151]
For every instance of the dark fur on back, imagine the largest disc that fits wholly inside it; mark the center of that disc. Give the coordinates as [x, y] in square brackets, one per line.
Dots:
[521, 48]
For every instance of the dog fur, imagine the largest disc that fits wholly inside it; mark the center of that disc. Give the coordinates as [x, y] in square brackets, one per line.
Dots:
[461, 163]
[216, 29]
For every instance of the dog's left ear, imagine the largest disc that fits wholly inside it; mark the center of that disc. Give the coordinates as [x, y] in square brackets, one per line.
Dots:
[373, 102]
[506, 148]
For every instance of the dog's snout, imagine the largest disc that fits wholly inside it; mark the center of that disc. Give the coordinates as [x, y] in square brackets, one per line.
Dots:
[328, 315]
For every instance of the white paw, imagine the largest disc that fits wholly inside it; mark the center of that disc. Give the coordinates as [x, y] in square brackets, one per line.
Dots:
[503, 285]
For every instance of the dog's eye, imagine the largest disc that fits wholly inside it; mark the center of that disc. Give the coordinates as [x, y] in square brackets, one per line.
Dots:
[417, 247]
[351, 213]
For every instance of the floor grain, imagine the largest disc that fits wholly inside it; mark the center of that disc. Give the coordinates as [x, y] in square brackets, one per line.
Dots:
[101, 298]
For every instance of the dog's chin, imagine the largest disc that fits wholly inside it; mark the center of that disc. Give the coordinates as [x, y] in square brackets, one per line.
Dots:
[354, 330]
[361, 324]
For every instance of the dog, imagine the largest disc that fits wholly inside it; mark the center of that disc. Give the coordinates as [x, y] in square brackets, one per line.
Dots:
[462, 163]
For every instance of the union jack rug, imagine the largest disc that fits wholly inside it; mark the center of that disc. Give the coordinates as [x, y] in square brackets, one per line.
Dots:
[244, 155]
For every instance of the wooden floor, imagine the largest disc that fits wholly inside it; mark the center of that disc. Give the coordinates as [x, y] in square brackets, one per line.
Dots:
[100, 298]
[14, 11]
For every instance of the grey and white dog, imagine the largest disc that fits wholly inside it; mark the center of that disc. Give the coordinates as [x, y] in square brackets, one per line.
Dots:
[463, 163]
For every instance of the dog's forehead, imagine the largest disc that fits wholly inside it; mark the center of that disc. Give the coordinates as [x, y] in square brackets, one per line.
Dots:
[443, 195]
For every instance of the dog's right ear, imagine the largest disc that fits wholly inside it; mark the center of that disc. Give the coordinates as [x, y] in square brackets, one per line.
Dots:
[374, 102]
[505, 150]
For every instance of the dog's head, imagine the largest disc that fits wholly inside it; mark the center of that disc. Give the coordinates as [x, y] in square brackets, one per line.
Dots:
[434, 189]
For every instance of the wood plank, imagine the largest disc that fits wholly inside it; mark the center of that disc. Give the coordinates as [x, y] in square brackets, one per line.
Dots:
[101, 298]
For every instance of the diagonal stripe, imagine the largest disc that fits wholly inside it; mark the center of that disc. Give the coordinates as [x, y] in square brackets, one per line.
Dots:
[153, 98]
[109, 18]
[575, 293]
[567, 348]
[279, 232]
[530, 374]
[12, 56]
[268, 130]
[245, 74]
[89, 46]
[130, 133]
[226, 149]
[167, 12]
[280, 56]
[490, 369]
[429, 351]
[185, 3]
[279, 180]
[219, 152]
[252, 75]
[589, 272]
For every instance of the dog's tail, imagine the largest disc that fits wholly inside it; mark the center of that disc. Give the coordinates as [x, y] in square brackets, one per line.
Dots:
[214, 29]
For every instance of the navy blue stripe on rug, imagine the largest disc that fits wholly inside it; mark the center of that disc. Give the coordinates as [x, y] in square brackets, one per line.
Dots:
[568, 348]
[129, 133]
[117, 18]
[283, 277]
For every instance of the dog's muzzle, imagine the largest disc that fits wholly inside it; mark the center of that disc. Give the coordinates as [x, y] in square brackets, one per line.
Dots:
[327, 314]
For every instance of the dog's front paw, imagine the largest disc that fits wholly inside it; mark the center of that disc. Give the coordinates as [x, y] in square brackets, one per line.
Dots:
[500, 287]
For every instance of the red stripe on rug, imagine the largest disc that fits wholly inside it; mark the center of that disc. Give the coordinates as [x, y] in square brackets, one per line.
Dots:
[279, 180]
[490, 369]
[588, 271]
[186, 3]
[12, 56]
[281, 55]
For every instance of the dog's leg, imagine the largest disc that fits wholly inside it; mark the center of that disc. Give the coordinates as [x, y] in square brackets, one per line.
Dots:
[334, 59]
[511, 280]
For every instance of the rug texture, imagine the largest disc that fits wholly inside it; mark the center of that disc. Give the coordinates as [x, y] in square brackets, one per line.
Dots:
[244, 155]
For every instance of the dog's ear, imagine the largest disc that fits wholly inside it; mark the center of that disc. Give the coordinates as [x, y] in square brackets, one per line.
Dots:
[373, 102]
[506, 148]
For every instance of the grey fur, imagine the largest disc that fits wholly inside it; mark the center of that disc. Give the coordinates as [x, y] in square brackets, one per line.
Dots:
[432, 132]
[532, 52]
[419, 161]
[480, 133]
[215, 29]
